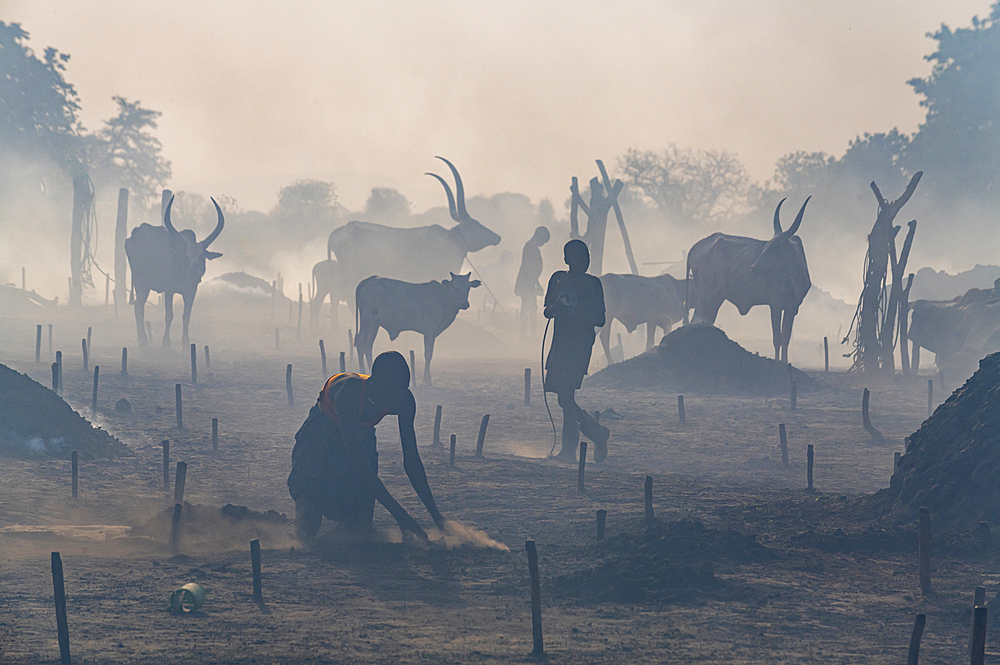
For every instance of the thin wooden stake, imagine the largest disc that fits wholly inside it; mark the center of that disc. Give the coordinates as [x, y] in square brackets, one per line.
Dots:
[215, 433]
[124, 361]
[648, 496]
[59, 594]
[55, 378]
[86, 356]
[50, 340]
[38, 343]
[924, 550]
[175, 527]
[978, 600]
[288, 385]
[93, 397]
[794, 394]
[810, 455]
[602, 516]
[60, 374]
[90, 330]
[783, 439]
[180, 479]
[343, 362]
[527, 386]
[208, 360]
[582, 467]
[298, 326]
[166, 465]
[826, 354]
[178, 406]
[680, 409]
[978, 655]
[194, 364]
[437, 427]
[482, 435]
[918, 632]
[322, 357]
[76, 472]
[536, 600]
[258, 595]
[866, 421]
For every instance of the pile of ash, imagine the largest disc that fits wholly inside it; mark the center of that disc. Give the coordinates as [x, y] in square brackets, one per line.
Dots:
[207, 528]
[700, 358]
[670, 563]
[952, 464]
[35, 422]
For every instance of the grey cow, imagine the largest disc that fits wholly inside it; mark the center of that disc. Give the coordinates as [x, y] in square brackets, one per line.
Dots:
[426, 308]
[634, 300]
[749, 272]
[167, 261]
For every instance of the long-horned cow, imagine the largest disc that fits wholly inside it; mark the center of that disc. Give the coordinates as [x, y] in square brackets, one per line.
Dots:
[426, 308]
[633, 300]
[326, 280]
[416, 254]
[749, 272]
[168, 261]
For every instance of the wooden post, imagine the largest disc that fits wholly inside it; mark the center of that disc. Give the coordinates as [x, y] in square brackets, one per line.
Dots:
[930, 397]
[866, 420]
[536, 600]
[482, 435]
[258, 596]
[90, 331]
[582, 467]
[451, 461]
[437, 427]
[208, 360]
[978, 600]
[59, 593]
[166, 464]
[180, 479]
[322, 357]
[809, 467]
[826, 354]
[918, 631]
[343, 362]
[896, 456]
[924, 550]
[298, 327]
[793, 396]
[121, 264]
[215, 433]
[59, 375]
[124, 361]
[288, 384]
[38, 343]
[178, 406]
[55, 378]
[277, 338]
[602, 516]
[413, 369]
[527, 386]
[50, 340]
[978, 655]
[93, 397]
[86, 363]
[75, 461]
[175, 527]
[783, 438]
[194, 364]
[648, 495]
[680, 409]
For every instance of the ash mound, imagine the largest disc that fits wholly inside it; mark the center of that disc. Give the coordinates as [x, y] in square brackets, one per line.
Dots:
[701, 358]
[210, 529]
[34, 421]
[667, 564]
[952, 464]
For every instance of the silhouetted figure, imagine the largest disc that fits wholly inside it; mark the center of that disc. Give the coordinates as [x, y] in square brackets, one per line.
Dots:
[575, 302]
[335, 462]
[527, 287]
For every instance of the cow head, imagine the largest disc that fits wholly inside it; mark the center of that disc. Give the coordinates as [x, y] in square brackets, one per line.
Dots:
[474, 236]
[461, 284]
[783, 250]
[195, 252]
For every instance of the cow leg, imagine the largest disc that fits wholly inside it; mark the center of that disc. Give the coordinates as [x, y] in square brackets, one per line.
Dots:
[606, 341]
[188, 304]
[915, 360]
[316, 305]
[141, 295]
[428, 353]
[776, 331]
[364, 341]
[334, 306]
[651, 334]
[168, 313]
[786, 333]
[707, 312]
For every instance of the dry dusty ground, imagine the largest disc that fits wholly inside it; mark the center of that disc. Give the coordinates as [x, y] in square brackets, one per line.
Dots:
[823, 596]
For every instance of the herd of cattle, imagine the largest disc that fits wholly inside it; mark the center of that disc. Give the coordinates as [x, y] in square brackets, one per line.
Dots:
[394, 272]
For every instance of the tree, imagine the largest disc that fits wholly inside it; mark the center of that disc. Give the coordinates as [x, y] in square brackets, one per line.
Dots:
[37, 106]
[690, 186]
[959, 141]
[386, 204]
[128, 154]
[306, 195]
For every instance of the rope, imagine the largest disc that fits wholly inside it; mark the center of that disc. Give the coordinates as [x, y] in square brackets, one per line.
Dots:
[495, 299]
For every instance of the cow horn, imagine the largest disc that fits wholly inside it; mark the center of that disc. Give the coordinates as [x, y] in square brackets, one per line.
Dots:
[451, 199]
[793, 229]
[166, 216]
[459, 190]
[218, 227]
[777, 219]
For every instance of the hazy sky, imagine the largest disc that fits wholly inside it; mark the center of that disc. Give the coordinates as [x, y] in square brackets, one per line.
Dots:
[521, 95]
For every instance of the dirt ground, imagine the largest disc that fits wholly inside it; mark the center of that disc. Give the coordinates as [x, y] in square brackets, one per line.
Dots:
[824, 584]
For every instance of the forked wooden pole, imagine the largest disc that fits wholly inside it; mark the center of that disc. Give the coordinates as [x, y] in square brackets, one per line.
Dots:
[59, 595]
[538, 650]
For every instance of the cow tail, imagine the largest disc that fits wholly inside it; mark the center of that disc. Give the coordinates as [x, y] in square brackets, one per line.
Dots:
[687, 281]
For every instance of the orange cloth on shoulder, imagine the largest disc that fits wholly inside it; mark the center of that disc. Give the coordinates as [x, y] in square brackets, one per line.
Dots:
[329, 408]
